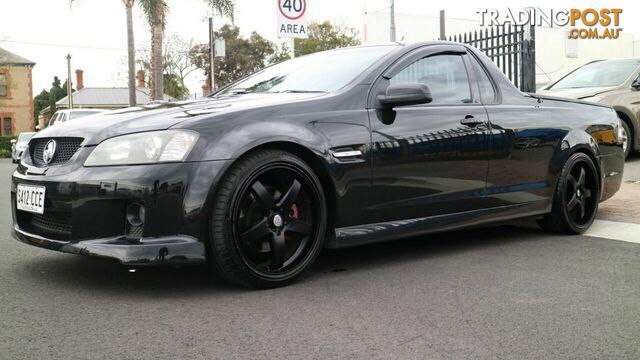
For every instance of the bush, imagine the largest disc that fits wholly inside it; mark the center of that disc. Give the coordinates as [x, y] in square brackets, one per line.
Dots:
[5, 154]
[5, 143]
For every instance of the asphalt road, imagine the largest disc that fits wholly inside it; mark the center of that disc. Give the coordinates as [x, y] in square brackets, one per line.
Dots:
[498, 293]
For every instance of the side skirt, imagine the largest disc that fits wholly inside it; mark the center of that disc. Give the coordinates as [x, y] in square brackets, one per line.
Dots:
[394, 230]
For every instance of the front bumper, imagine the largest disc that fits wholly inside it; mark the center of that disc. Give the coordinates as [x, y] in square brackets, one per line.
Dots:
[152, 251]
[85, 210]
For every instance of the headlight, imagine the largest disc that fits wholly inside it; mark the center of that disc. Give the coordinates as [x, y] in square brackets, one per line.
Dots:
[144, 148]
[593, 99]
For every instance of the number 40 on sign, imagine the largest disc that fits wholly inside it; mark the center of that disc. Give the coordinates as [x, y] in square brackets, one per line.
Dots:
[292, 21]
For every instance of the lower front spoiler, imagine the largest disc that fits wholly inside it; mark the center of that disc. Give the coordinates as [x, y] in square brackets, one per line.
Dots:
[171, 250]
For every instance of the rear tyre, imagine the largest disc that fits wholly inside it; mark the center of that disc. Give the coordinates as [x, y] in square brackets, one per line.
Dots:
[627, 139]
[268, 220]
[575, 202]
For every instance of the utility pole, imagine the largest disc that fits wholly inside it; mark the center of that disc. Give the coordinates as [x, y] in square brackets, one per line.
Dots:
[212, 78]
[443, 35]
[69, 94]
[392, 29]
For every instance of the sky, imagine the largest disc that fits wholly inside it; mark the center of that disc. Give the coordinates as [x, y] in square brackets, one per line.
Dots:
[94, 31]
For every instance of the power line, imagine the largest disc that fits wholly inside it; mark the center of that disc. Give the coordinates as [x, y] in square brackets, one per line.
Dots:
[63, 45]
[67, 46]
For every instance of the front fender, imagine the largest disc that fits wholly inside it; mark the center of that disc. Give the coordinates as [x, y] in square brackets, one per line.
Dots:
[233, 142]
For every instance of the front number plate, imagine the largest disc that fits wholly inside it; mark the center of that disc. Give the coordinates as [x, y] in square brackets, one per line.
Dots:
[30, 198]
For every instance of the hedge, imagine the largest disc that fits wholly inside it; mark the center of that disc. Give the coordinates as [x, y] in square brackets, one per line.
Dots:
[5, 146]
[5, 142]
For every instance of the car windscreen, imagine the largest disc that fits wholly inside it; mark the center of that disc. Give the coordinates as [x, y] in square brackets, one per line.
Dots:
[25, 137]
[319, 72]
[79, 114]
[599, 74]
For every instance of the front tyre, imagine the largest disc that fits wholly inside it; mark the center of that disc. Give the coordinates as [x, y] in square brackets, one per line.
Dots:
[627, 139]
[575, 202]
[268, 221]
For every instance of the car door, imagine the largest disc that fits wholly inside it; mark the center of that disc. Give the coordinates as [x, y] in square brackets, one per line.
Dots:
[430, 159]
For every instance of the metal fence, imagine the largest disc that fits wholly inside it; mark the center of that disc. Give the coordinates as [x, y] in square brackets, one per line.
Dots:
[512, 49]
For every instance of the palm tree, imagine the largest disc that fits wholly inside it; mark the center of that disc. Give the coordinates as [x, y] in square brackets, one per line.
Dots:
[224, 7]
[155, 12]
[131, 50]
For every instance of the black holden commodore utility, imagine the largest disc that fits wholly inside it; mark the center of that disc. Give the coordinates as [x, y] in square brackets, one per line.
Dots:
[335, 149]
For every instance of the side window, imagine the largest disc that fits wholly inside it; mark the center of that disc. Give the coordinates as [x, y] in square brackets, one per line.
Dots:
[445, 75]
[53, 119]
[3, 85]
[6, 127]
[487, 91]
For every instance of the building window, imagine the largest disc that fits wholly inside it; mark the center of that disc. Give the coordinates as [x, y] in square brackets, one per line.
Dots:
[3, 85]
[6, 126]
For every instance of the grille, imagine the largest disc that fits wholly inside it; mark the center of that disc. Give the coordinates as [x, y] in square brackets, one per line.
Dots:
[65, 149]
[53, 225]
[134, 232]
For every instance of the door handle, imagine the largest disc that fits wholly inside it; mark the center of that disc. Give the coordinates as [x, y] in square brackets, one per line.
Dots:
[471, 121]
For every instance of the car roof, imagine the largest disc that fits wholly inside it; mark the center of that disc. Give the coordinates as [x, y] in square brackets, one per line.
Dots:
[615, 60]
[67, 111]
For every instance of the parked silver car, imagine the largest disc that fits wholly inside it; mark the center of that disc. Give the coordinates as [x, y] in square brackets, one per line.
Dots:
[609, 82]
[18, 146]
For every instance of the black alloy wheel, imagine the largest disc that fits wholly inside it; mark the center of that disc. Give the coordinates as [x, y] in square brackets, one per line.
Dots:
[270, 224]
[576, 199]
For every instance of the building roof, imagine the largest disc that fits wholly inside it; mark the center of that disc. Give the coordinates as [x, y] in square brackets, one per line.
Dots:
[107, 97]
[9, 58]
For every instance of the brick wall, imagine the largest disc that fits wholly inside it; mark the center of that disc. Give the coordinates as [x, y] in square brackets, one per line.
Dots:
[18, 104]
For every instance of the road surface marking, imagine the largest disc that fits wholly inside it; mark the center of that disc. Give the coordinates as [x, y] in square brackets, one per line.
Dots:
[615, 231]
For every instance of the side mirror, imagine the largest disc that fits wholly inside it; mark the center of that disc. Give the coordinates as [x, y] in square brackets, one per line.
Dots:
[13, 141]
[405, 94]
[636, 83]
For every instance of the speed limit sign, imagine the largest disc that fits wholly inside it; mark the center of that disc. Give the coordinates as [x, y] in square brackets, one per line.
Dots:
[292, 21]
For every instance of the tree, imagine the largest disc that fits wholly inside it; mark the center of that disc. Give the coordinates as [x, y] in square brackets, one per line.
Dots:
[56, 93]
[40, 102]
[280, 54]
[224, 7]
[177, 64]
[325, 36]
[174, 87]
[131, 50]
[243, 56]
[177, 57]
[155, 12]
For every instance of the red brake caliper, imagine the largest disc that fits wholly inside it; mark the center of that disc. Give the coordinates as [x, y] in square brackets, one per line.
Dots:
[294, 214]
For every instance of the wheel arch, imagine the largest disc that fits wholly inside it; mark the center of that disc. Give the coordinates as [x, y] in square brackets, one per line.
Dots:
[576, 142]
[589, 152]
[626, 116]
[311, 158]
[317, 165]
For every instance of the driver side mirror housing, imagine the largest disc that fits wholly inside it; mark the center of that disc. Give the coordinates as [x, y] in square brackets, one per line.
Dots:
[404, 95]
[636, 83]
[13, 141]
